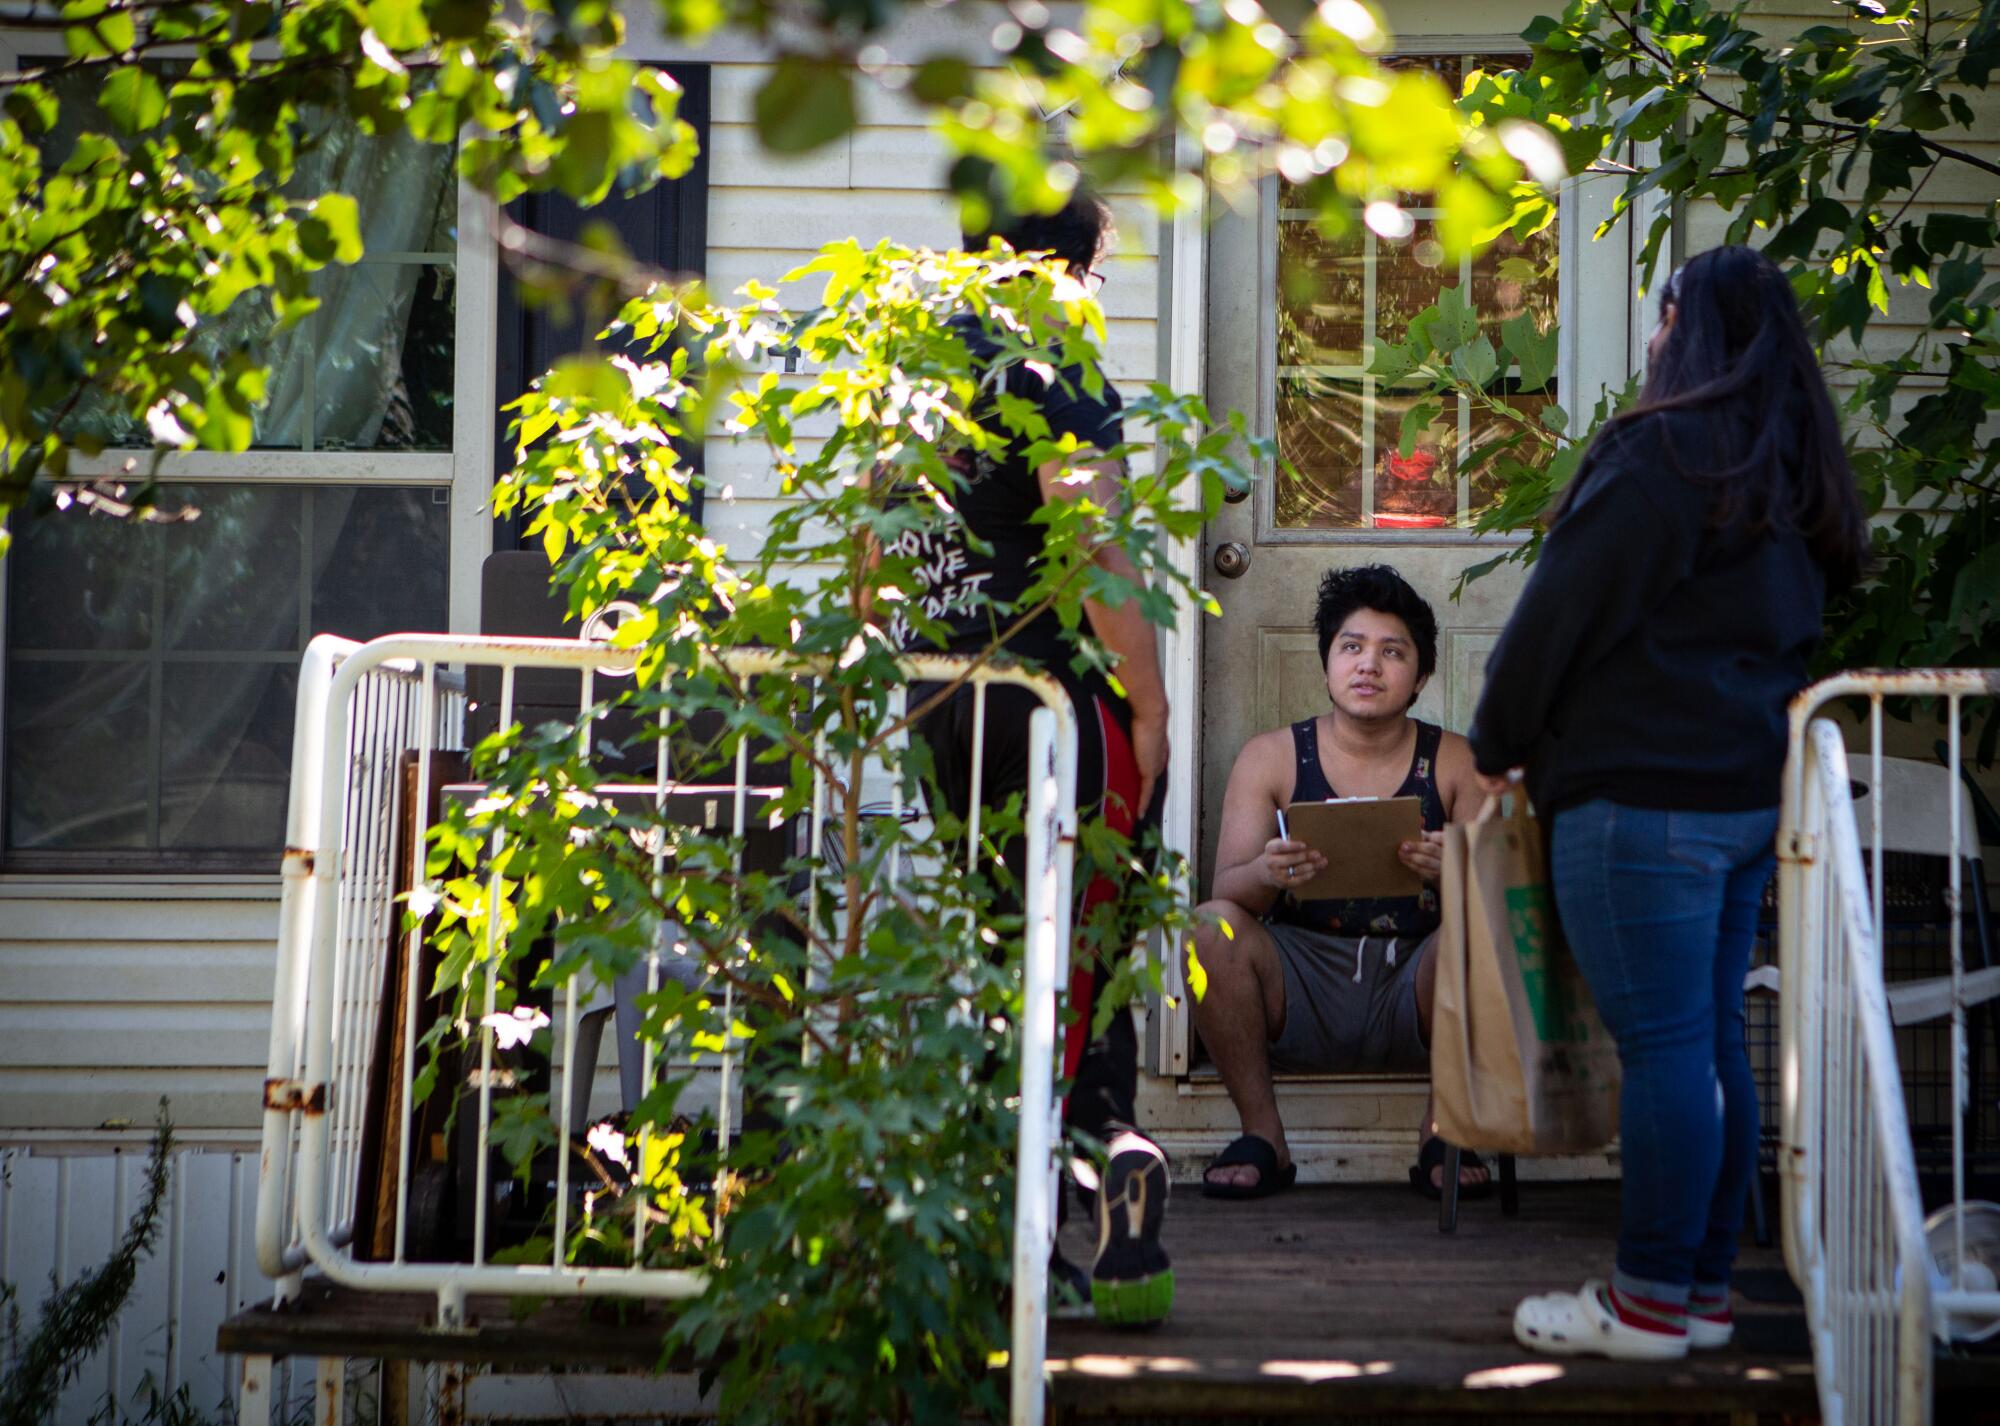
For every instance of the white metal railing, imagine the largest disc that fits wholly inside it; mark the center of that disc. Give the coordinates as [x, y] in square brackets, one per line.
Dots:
[1855, 1238]
[396, 709]
[361, 708]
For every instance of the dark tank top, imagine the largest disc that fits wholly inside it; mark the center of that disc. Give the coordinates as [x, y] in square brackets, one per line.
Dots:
[1400, 916]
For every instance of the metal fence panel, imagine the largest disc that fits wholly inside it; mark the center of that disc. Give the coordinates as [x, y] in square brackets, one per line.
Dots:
[362, 709]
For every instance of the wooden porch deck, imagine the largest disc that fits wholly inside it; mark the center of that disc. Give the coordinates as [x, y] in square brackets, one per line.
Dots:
[1345, 1303]
[1332, 1303]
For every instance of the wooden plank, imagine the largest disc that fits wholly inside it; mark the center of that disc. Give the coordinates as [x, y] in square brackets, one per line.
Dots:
[158, 1035]
[900, 158]
[91, 1226]
[733, 99]
[334, 1321]
[184, 922]
[206, 1298]
[20, 886]
[28, 1237]
[122, 1097]
[134, 971]
[247, 1284]
[803, 222]
[737, 160]
[144, 1335]
[1131, 289]
[1348, 1301]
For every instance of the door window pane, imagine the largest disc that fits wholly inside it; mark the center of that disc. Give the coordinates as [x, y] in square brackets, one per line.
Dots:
[173, 740]
[1340, 426]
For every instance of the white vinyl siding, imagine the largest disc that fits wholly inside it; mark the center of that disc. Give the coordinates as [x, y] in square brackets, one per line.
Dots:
[885, 180]
[114, 994]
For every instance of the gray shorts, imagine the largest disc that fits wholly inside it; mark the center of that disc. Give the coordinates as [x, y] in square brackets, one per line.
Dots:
[1350, 1002]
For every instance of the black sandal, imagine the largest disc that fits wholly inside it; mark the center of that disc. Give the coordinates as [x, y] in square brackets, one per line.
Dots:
[1430, 1155]
[1257, 1153]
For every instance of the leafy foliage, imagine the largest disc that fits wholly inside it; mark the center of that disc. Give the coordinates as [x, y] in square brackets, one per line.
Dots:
[856, 1235]
[148, 167]
[76, 1318]
[1818, 146]
[152, 200]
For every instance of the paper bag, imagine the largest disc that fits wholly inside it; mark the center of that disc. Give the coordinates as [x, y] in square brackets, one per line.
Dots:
[1520, 1061]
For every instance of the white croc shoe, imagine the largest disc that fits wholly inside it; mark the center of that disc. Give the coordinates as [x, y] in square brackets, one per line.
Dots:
[1581, 1323]
[1707, 1334]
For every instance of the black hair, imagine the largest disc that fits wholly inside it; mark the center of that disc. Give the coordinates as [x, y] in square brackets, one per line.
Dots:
[1738, 354]
[1377, 587]
[1075, 232]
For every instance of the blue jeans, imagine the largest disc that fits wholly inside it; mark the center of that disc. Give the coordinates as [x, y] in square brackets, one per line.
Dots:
[1660, 909]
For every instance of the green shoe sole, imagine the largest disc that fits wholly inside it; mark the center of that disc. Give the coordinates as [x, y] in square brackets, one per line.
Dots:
[1134, 1302]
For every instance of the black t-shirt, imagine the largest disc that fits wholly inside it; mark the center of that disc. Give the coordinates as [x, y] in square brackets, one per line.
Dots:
[974, 591]
[1654, 653]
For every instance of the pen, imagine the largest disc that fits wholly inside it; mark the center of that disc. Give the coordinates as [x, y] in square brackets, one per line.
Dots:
[1283, 831]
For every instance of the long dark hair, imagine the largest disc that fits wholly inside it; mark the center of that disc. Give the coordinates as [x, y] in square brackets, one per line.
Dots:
[1738, 353]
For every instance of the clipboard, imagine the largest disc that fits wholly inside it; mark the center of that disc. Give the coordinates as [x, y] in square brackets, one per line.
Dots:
[1359, 837]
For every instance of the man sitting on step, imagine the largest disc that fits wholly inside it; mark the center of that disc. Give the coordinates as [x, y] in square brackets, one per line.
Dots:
[1330, 987]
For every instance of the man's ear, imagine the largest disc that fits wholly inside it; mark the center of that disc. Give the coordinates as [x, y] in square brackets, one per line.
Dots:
[1416, 692]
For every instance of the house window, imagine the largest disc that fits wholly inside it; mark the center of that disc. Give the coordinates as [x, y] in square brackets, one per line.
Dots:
[1339, 425]
[150, 677]
[151, 669]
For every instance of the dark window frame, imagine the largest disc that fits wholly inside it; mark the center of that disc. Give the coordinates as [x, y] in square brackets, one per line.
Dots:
[666, 226]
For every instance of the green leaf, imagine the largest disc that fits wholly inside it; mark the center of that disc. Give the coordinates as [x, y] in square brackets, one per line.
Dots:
[1534, 351]
[1416, 421]
[1945, 231]
[942, 79]
[804, 104]
[133, 99]
[1393, 362]
[96, 34]
[1475, 363]
[400, 23]
[1976, 592]
[1455, 323]
[331, 231]
[1707, 143]
[1894, 160]
[32, 107]
[1473, 214]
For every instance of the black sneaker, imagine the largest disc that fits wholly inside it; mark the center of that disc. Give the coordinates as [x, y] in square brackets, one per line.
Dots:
[1131, 1282]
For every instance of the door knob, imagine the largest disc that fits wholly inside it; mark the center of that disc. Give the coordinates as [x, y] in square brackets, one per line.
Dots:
[1232, 559]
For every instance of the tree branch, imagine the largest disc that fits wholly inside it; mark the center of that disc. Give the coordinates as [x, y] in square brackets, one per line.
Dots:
[1663, 62]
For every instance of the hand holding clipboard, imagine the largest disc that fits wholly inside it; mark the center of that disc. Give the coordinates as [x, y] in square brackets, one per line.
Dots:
[1357, 845]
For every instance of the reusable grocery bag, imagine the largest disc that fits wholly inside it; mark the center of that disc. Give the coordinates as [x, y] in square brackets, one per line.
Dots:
[1520, 1061]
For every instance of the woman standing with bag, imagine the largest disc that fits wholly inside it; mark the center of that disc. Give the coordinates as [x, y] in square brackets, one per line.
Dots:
[1642, 685]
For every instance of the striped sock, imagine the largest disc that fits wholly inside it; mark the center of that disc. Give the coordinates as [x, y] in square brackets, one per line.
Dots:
[1710, 1304]
[1669, 1319]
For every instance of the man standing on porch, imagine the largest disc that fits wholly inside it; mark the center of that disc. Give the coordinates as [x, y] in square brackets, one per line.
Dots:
[1331, 986]
[973, 588]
